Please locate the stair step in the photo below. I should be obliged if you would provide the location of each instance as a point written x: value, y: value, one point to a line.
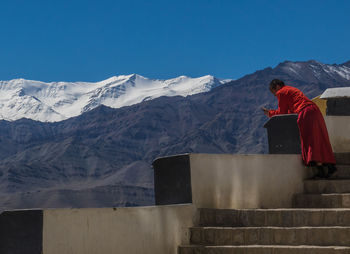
x: 263, y: 249
x: 327, y: 186
x: 322, y: 236
x: 342, y: 158
x: 321, y: 200
x: 343, y: 172
x: 274, y: 217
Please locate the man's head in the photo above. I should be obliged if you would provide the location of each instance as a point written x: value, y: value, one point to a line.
x: 276, y: 85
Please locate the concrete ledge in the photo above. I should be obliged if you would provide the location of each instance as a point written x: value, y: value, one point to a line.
x: 209, y: 180
x: 230, y: 181
x: 246, y: 181
x: 143, y: 230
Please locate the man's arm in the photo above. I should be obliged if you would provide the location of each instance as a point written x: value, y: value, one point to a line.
x: 266, y: 111
x: 282, y: 106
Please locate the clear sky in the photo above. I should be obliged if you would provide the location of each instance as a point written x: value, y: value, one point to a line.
x: 83, y: 40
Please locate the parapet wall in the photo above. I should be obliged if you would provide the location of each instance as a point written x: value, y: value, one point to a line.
x: 229, y: 180
x: 136, y: 230
x: 210, y: 180
x: 246, y: 181
x: 143, y: 230
x: 339, y: 133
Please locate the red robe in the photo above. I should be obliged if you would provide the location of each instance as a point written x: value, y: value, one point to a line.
x: 315, y: 145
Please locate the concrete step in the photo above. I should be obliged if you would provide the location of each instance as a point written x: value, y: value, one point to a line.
x: 321, y: 200
x: 263, y: 249
x: 321, y: 236
x: 327, y: 186
x: 343, y: 172
x: 274, y: 217
x: 342, y: 158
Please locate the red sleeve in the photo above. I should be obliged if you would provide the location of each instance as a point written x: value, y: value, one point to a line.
x: 283, y: 106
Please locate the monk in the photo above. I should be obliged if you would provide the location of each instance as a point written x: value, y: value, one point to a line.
x: 316, y: 149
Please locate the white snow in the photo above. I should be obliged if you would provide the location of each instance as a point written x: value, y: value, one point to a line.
x: 293, y: 68
x: 319, y: 70
x: 56, y: 101
x: 337, y: 92
x: 342, y: 71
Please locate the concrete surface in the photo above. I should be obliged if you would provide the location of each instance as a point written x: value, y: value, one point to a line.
x: 317, y: 236
x: 336, y: 92
x: 246, y: 181
x: 285, y: 217
x: 137, y: 230
x: 264, y: 249
x: 339, y: 133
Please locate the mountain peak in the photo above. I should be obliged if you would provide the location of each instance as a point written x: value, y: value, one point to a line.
x: 134, y: 76
x: 313, y: 62
x: 298, y: 63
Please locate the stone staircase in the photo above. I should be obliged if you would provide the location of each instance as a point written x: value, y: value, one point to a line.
x: 318, y: 223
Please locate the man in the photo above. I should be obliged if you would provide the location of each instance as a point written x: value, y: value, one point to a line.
x: 315, y: 146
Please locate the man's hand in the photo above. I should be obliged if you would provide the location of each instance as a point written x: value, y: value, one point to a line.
x: 266, y: 111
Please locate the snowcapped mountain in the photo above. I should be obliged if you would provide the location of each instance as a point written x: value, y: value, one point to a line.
x: 56, y: 101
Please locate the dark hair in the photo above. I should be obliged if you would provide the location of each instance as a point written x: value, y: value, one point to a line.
x: 276, y: 82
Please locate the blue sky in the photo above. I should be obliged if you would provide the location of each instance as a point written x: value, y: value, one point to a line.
x: 76, y: 40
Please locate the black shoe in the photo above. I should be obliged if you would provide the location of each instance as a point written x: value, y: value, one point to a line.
x: 320, y: 173
x: 312, y: 164
x: 331, y: 170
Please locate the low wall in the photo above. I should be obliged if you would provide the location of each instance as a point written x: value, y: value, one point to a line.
x: 339, y: 133
x: 230, y: 180
x: 245, y: 181
x: 210, y: 180
x: 136, y: 230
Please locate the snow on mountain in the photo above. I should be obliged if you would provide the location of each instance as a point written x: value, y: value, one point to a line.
x: 316, y: 71
x: 56, y: 101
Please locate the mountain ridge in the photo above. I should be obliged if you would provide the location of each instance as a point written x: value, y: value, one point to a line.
x: 57, y: 101
x: 109, y: 147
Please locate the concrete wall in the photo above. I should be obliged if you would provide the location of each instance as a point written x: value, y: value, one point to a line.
x: 217, y: 181
x: 246, y: 181
x: 339, y: 132
x: 137, y: 230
